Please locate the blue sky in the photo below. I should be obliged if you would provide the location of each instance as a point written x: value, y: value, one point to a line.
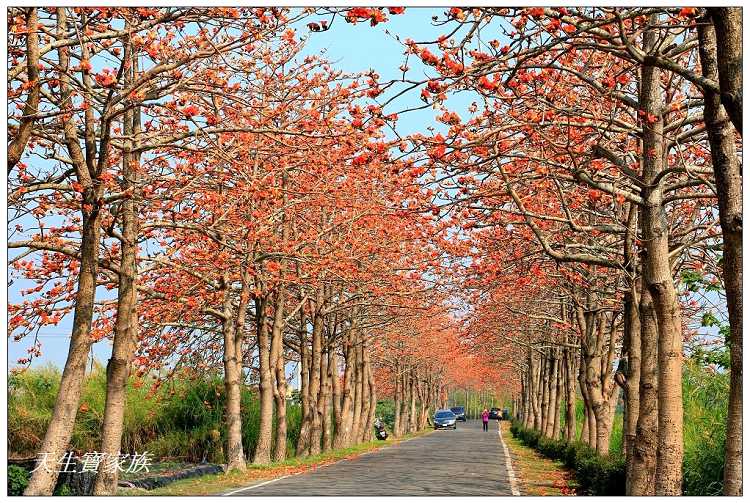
x: 352, y: 48
x: 359, y: 47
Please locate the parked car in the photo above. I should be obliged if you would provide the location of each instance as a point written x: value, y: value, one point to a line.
x: 460, y: 413
x: 496, y: 413
x: 444, y: 418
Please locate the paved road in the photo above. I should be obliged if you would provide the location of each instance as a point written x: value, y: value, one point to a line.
x: 465, y: 462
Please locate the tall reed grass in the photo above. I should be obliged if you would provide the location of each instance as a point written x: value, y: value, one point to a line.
x: 182, y: 421
x: 705, y: 396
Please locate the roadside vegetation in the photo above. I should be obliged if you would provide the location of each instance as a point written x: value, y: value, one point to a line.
x: 179, y: 422
x: 705, y: 393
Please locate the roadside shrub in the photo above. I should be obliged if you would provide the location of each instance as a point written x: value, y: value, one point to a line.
x: 596, y: 475
x: 600, y: 475
x: 528, y: 436
x: 514, y: 428
x: 553, y: 449
x: 574, y: 451
x: 18, y: 479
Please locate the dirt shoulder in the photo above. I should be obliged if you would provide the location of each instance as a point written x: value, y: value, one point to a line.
x: 537, y: 475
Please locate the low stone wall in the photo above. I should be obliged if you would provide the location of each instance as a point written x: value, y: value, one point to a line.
x: 154, y: 481
x: 79, y: 483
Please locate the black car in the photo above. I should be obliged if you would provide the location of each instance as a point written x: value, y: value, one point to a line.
x: 496, y: 413
x: 444, y: 418
x: 460, y: 413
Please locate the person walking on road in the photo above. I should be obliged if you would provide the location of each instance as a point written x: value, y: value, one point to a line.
x: 485, y: 419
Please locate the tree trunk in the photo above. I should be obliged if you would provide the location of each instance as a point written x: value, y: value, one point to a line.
x: 60, y: 428
x: 373, y: 401
x: 404, y: 403
x: 262, y: 453
x: 729, y: 190
x: 334, y: 366
x: 545, y: 382
x: 585, y: 427
x: 552, y: 415
x: 324, y: 401
x: 535, y: 390
x: 278, y: 373
x: 412, y: 404
x: 570, y: 396
x: 605, y: 414
x: 632, y: 346
x: 397, y: 402
x: 365, y: 400
x: 523, y: 402
x: 233, y: 373
x: 584, y: 380
x: 344, y: 430
x: 642, y: 477
x: 559, y: 380
x: 358, y: 392
x: 315, y: 374
x: 303, y: 441
x: 657, y: 277
x: 728, y: 23
x: 125, y: 339
x: 592, y: 427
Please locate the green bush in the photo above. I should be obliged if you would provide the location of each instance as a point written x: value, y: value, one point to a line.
x: 600, y: 475
x: 596, y: 475
x: 575, y: 451
x: 527, y: 436
x: 18, y: 479
x: 386, y: 410
x: 553, y: 449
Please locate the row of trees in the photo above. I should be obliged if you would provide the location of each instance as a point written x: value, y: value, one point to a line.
x: 250, y: 210
x: 599, y: 165
x: 247, y: 210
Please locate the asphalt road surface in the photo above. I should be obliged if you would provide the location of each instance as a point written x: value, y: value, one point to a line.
x: 461, y: 462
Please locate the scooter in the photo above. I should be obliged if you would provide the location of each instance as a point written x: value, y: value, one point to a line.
x: 380, y: 432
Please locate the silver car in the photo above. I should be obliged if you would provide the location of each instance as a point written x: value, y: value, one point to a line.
x: 444, y: 418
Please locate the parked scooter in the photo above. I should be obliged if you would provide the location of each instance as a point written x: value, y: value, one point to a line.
x: 380, y: 432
